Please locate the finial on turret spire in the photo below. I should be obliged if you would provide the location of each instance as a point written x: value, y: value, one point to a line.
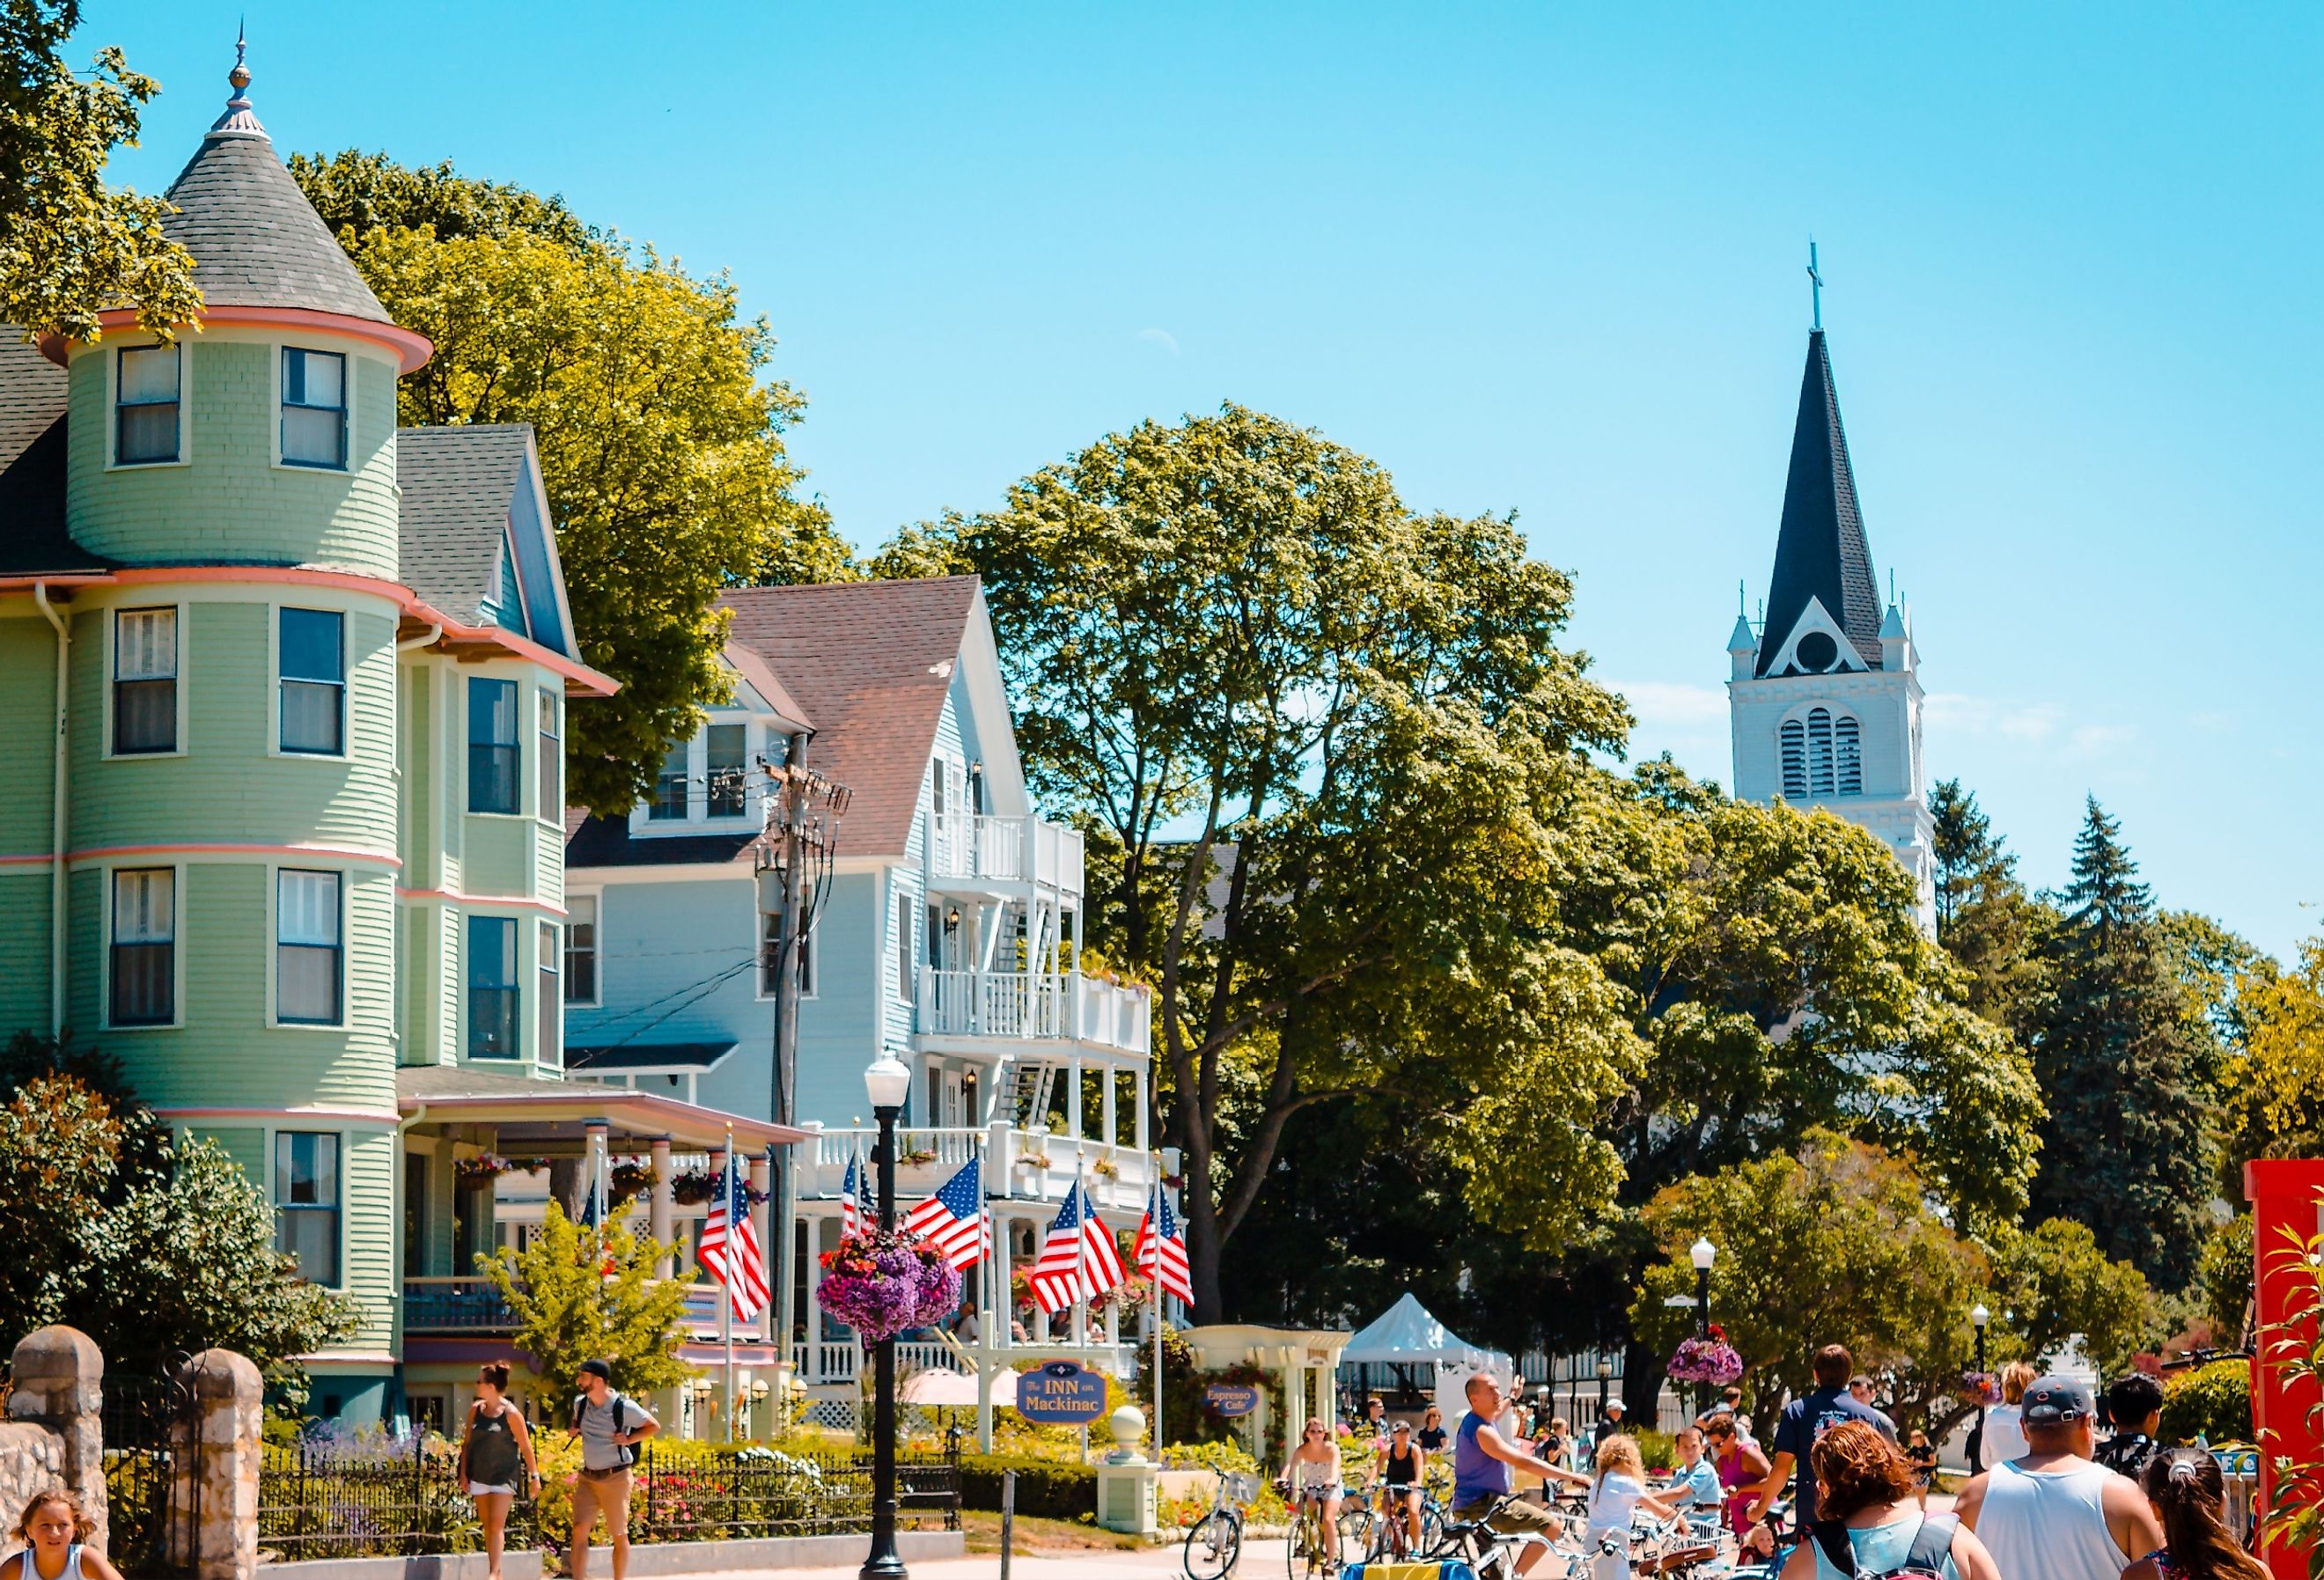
x: 1815, y: 283
x: 238, y: 118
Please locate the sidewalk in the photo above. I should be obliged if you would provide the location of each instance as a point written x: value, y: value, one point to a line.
x: 1259, y: 1558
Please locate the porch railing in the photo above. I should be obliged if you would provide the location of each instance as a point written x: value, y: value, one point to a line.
x: 1033, y: 1004
x: 474, y: 1305
x: 980, y: 848
x: 1021, y: 1165
x: 828, y: 1364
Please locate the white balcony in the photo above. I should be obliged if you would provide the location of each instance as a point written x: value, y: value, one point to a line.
x: 839, y: 1361
x: 1019, y: 1165
x: 976, y: 853
x: 1027, y: 1006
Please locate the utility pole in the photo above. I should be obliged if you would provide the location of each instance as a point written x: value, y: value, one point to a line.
x: 802, y: 832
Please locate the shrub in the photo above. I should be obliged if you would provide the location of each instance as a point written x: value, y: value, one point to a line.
x: 1658, y: 1449
x: 1049, y: 1488
x: 2213, y: 1401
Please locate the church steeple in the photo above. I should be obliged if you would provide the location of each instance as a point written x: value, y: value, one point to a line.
x: 1821, y: 551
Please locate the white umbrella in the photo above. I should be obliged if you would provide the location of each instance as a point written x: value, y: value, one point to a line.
x: 933, y: 1385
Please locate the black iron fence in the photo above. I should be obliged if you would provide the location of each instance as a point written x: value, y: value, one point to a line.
x: 152, y: 1497
x: 385, y: 1497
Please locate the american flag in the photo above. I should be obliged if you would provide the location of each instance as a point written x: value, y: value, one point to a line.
x: 1161, y: 1253
x: 851, y: 1218
x: 730, y: 1246
x: 954, y: 1220
x: 1078, y: 1259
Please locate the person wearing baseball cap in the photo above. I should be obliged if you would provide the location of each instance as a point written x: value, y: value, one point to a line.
x: 2053, y: 1513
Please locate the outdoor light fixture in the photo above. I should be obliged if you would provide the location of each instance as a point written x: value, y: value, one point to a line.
x: 1979, y: 1316
x: 1605, y: 1369
x: 887, y: 1082
x: 1703, y: 1254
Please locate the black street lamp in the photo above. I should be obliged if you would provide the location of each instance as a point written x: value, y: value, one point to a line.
x: 889, y: 1083
x: 1977, y: 1317
x: 1605, y: 1375
x: 1702, y: 1252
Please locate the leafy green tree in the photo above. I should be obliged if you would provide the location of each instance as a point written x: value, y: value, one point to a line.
x: 2274, y: 1087
x: 1986, y: 919
x: 2224, y: 1277
x: 1325, y: 739
x: 72, y: 246
x: 2119, y: 1071
x: 661, y: 441
x: 2053, y: 1281
x: 581, y: 1293
x: 150, y: 1245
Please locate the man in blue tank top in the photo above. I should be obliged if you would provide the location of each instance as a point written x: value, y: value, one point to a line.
x: 1482, y: 1460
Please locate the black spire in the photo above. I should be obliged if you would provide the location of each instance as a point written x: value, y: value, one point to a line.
x: 1821, y: 551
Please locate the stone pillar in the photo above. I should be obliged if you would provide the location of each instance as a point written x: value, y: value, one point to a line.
x: 658, y: 1216
x: 226, y: 1432
x: 60, y: 1384
x: 761, y: 1176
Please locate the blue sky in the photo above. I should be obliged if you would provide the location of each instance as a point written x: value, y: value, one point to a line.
x: 1540, y: 258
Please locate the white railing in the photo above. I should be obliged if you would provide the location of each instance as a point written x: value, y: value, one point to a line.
x: 964, y: 846
x: 841, y: 1362
x: 1019, y: 1165
x: 1033, y: 1003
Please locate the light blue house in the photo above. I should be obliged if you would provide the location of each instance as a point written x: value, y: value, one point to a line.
x: 949, y: 934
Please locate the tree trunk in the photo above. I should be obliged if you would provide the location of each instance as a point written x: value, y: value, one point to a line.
x: 1642, y: 1384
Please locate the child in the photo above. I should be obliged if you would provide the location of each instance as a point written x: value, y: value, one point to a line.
x: 1921, y: 1456
x: 2183, y: 1485
x: 55, y: 1532
x: 1618, y: 1490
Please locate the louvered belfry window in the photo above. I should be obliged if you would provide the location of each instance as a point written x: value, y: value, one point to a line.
x: 1821, y: 755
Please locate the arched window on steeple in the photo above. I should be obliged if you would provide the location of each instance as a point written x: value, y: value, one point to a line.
x: 1821, y: 755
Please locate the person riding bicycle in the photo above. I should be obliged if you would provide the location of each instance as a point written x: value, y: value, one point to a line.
x: 1482, y: 1460
x: 1314, y: 1471
x: 1618, y: 1491
x: 1402, y: 1466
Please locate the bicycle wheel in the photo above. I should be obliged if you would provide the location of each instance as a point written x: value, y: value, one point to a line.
x: 1432, y: 1528
x: 1357, y: 1524
x: 1213, y: 1543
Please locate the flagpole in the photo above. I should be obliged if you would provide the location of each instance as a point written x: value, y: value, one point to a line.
x: 726, y: 1279
x: 1154, y: 1239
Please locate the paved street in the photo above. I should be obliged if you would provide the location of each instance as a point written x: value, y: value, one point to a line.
x: 1260, y: 1559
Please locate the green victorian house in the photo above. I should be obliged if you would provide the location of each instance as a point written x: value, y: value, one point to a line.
x: 282, y: 695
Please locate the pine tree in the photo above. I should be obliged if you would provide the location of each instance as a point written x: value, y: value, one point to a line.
x: 2122, y: 1148
x: 1986, y: 919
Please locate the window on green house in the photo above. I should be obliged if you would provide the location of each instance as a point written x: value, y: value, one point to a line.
x: 549, y: 1044
x: 669, y: 786
x: 145, y: 681
x: 309, y: 958
x: 143, y: 968
x: 491, y: 745
x: 725, y: 744
x: 312, y: 651
x: 548, y: 765
x: 314, y: 408
x: 491, y: 987
x: 307, y: 1202
x: 145, y: 405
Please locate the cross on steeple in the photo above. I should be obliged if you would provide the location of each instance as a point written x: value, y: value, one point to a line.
x: 1815, y: 283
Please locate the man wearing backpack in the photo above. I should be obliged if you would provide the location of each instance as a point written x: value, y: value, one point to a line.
x: 2053, y: 1514
x: 1871, y: 1526
x: 610, y: 1426
x: 1803, y: 1420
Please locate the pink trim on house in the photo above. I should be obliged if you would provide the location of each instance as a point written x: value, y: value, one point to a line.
x: 412, y: 351
x: 42, y: 860
x: 357, y: 1115
x: 327, y: 852
x: 454, y: 897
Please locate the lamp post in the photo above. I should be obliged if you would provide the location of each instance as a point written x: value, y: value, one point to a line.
x: 1605, y: 1375
x: 1977, y: 1317
x: 1702, y: 1253
x: 888, y: 1083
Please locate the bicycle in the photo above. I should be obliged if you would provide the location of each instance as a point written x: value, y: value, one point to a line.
x: 1391, y: 1540
x: 1783, y: 1541
x: 1307, y: 1555
x: 1214, y: 1541
x: 1492, y: 1554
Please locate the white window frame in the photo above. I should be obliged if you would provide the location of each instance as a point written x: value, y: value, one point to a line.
x: 274, y: 1021
x: 112, y: 655
x: 112, y: 353
x: 699, y: 819
x: 597, y: 898
x: 807, y: 977
x: 347, y: 412
x: 339, y: 1208
x: 553, y: 694
x: 547, y: 989
x: 467, y: 695
x: 904, y: 916
x: 274, y: 747
x: 1839, y: 713
x: 724, y: 819
x: 177, y: 1021
x: 516, y: 1056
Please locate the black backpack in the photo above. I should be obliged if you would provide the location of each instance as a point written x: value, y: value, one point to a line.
x: 1932, y: 1545
x: 620, y: 1415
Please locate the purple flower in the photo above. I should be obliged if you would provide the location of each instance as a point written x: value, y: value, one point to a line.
x: 881, y: 1285
x: 1705, y: 1360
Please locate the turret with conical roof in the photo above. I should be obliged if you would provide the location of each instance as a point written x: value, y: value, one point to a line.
x: 266, y: 434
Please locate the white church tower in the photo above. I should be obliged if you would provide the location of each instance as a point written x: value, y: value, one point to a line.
x: 1825, y: 699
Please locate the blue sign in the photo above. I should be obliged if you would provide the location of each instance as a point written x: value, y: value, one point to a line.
x: 1222, y: 1399
x: 1060, y: 1393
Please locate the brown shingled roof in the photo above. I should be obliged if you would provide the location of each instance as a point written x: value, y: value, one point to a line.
x: 870, y: 661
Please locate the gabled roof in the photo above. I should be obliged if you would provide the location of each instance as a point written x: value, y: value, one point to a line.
x: 457, y: 484
x: 763, y: 680
x: 256, y: 239
x: 1821, y: 551
x: 871, y: 661
x: 32, y: 536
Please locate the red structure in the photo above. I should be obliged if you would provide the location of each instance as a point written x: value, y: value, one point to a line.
x: 2285, y: 1196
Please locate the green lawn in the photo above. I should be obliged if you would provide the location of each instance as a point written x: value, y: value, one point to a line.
x: 1031, y: 1535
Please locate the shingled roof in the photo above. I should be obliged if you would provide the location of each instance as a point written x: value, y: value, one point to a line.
x: 32, y: 536
x: 1821, y: 551
x: 457, y: 484
x: 256, y: 239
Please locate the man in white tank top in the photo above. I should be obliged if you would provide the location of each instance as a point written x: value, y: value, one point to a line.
x: 2054, y: 1514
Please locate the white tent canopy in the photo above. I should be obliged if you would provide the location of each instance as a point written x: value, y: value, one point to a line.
x: 1407, y: 1335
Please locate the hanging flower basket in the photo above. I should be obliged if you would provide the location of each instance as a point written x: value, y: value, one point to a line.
x: 481, y: 1167
x: 693, y: 1187
x: 1106, y: 1169
x: 1709, y: 1359
x: 883, y: 1284
x: 918, y: 1158
x: 1979, y: 1388
x: 630, y: 1177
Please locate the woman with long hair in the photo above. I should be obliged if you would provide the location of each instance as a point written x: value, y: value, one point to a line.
x: 493, y: 1448
x: 2189, y: 1499
x: 1617, y: 1489
x: 1867, y: 1511
x: 1313, y: 1471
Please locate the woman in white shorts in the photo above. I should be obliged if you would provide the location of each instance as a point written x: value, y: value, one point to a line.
x: 493, y: 1450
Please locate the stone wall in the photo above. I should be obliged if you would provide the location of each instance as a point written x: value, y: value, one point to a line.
x: 57, y: 1401
x: 32, y: 1459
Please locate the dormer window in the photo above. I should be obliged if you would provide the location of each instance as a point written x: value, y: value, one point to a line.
x: 314, y: 409
x: 725, y: 757
x: 1821, y: 755
x: 145, y: 411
